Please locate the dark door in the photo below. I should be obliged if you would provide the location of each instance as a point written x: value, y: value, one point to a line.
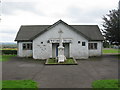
x: 57, y: 50
x: 66, y: 49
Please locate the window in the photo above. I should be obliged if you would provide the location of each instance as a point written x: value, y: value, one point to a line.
x: 83, y: 43
x: 92, y: 45
x: 48, y: 41
x: 78, y: 42
x: 27, y: 46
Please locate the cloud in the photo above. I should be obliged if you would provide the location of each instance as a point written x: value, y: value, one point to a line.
x: 9, y: 8
x: 7, y: 31
x: 40, y: 12
x: 4, y: 37
x: 86, y: 16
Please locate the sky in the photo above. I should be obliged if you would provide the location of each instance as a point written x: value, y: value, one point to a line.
x: 14, y: 13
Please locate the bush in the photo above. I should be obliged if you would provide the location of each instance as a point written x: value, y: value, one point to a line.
x: 12, y: 52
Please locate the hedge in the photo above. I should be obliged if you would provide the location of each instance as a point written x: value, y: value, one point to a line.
x: 12, y: 52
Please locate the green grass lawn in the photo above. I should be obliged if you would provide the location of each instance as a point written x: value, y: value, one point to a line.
x: 6, y: 57
x: 54, y: 61
x: 111, y: 51
x: 19, y: 84
x: 106, y: 84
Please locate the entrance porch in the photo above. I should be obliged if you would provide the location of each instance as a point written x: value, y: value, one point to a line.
x: 55, y: 49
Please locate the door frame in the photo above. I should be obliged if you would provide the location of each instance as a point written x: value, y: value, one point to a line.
x: 55, y: 49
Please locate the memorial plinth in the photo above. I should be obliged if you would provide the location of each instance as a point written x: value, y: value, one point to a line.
x: 61, y: 56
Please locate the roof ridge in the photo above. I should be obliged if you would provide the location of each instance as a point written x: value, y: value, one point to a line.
x: 84, y: 25
x: 35, y: 25
x: 50, y: 25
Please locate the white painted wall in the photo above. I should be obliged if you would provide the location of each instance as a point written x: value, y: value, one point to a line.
x: 24, y: 53
x: 43, y: 51
x: 98, y: 51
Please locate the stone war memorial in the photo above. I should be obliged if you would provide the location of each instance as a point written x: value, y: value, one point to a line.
x: 61, y: 56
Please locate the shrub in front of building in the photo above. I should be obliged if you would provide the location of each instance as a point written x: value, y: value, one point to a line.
x: 7, y: 52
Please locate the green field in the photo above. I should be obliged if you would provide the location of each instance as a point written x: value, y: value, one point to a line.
x: 8, y: 48
x: 106, y: 84
x: 6, y: 57
x: 19, y: 84
x: 105, y: 51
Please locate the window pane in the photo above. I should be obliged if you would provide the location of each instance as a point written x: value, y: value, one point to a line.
x: 95, y: 45
x: 24, y: 46
x: 31, y: 46
x: 92, y: 46
x: 83, y: 43
x: 28, y: 46
x: 89, y: 45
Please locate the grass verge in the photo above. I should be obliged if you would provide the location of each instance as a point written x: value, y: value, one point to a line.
x: 19, y: 84
x: 6, y: 57
x: 106, y: 84
x: 105, y: 51
x: 54, y: 61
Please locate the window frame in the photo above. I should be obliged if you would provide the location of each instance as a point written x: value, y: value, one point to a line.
x: 92, y: 46
x: 27, y: 46
x: 83, y: 43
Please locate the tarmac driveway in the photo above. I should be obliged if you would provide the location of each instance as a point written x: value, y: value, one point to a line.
x: 61, y: 76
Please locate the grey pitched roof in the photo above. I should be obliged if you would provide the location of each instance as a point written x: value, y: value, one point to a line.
x: 91, y: 31
x: 30, y: 32
x: 27, y: 32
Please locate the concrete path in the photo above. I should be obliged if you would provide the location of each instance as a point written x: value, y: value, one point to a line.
x: 62, y: 76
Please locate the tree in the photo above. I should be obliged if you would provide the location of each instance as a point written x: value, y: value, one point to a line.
x: 111, y: 25
x: 106, y: 44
